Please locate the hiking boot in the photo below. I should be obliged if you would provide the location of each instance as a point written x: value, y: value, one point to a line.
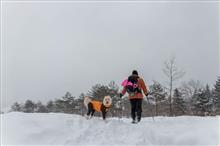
x: 133, y: 121
x: 139, y: 119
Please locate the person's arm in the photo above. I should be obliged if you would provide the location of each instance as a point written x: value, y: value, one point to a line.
x: 143, y: 86
x: 123, y: 92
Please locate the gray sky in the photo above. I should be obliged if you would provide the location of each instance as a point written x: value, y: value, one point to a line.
x: 51, y: 48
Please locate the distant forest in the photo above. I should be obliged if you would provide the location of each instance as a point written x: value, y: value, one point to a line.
x: 190, y: 98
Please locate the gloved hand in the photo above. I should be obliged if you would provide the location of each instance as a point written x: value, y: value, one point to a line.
x: 147, y: 94
x: 121, y: 95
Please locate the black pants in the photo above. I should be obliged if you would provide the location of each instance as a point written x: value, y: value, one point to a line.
x: 136, y: 108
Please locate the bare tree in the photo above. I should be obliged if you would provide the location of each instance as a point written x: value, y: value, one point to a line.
x: 191, y: 87
x: 173, y: 74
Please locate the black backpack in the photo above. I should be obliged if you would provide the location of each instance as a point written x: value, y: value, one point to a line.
x: 133, y: 89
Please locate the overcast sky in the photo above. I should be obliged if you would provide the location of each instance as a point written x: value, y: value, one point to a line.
x: 50, y: 48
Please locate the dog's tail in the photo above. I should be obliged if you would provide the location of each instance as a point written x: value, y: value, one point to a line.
x: 87, y: 100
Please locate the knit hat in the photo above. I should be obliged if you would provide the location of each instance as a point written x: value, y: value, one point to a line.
x: 134, y: 72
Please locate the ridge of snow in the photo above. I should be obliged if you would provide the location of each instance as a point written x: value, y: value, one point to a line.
x: 65, y: 129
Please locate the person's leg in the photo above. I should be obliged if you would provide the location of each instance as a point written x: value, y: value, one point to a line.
x: 139, y: 109
x: 133, y: 108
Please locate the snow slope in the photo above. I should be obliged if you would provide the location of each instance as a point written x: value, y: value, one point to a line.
x: 64, y: 129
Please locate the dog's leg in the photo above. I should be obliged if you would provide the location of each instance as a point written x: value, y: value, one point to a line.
x: 92, y: 113
x: 103, y: 115
x: 103, y: 110
x: 90, y: 109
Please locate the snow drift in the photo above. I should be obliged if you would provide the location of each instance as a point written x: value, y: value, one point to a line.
x: 65, y: 129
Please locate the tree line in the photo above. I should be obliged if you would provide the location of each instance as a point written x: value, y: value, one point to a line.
x: 191, y: 98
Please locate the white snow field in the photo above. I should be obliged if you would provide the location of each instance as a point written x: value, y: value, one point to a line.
x: 66, y: 129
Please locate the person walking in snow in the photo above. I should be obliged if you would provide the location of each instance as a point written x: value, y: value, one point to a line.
x: 135, y: 87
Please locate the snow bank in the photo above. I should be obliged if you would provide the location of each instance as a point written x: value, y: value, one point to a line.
x: 64, y: 129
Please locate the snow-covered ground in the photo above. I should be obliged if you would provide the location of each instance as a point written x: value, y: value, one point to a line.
x: 65, y: 129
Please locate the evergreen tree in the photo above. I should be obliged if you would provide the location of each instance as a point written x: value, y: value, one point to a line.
x: 29, y: 106
x: 40, y: 108
x: 64, y: 105
x: 158, y: 94
x: 16, y: 107
x: 50, y: 106
x: 98, y: 92
x: 113, y: 87
x: 179, y: 106
x: 59, y: 106
x: 209, y: 104
x: 68, y: 97
x: 216, y: 95
x: 194, y: 102
x: 189, y: 91
x: 201, y: 103
x: 68, y: 103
